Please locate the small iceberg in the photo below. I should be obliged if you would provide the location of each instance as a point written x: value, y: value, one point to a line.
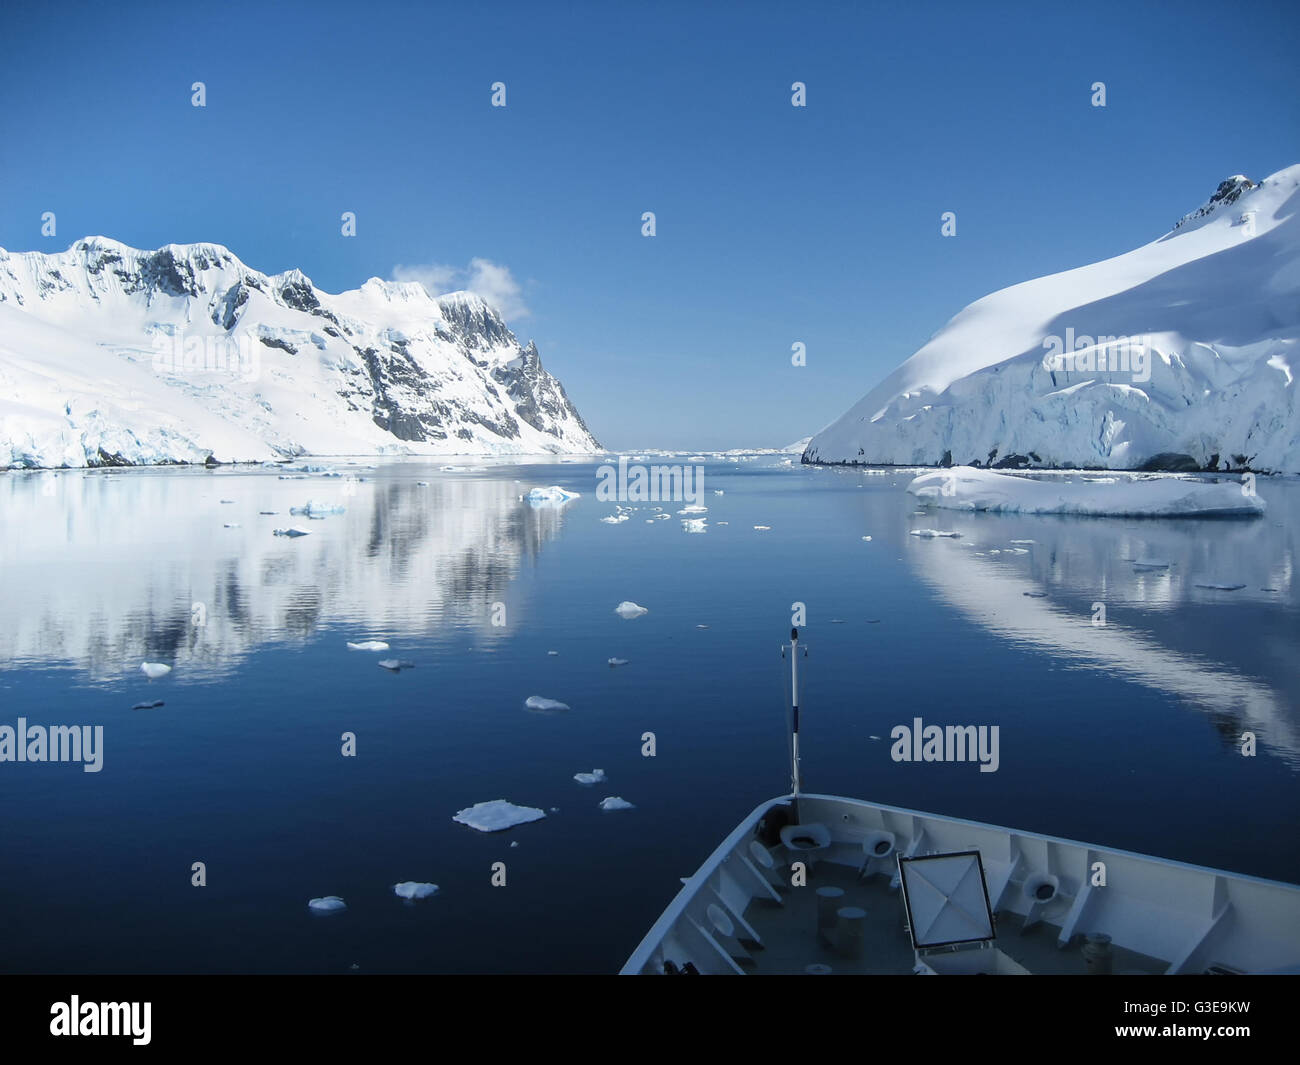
x: 552, y: 654
x: 544, y: 705
x: 629, y: 610
x: 594, y: 777
x: 694, y: 508
x: 293, y: 530
x: 328, y: 904
x: 553, y: 494
x: 497, y: 815
x: 149, y: 706
x: 314, y: 508
x: 930, y: 534
x: 866, y: 539
x: 968, y: 488
x: 763, y: 528
x: 367, y: 645
x: 410, y: 889
x: 695, y: 525
x: 154, y: 670
x: 395, y: 665
x: 618, y: 661
x: 613, y: 802
x: 614, y: 519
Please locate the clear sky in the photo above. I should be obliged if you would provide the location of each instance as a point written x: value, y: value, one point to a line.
x: 775, y: 224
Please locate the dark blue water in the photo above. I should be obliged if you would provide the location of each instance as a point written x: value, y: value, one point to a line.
x: 1125, y: 736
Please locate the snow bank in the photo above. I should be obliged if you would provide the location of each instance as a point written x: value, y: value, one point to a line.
x: 967, y: 488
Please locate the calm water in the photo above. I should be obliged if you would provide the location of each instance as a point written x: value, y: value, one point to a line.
x: 1123, y: 735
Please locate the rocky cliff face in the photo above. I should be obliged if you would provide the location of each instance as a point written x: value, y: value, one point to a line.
x: 112, y: 354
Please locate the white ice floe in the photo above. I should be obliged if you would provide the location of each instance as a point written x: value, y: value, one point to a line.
x: 328, y: 904
x: 154, y: 670
x: 1022, y: 541
x: 763, y: 528
x: 367, y: 645
x: 553, y: 494
x: 662, y: 517
x: 315, y: 508
x: 867, y: 539
x: 293, y: 530
x: 693, y: 508
x: 594, y: 777
x: 410, y: 889
x: 695, y: 525
x: 717, y: 491
x: 618, y: 661
x: 614, y: 519
x: 395, y: 665
x: 552, y: 653
x: 497, y: 815
x: 613, y: 802
x: 545, y: 705
x: 967, y: 488
x: 628, y: 610
x: 930, y: 534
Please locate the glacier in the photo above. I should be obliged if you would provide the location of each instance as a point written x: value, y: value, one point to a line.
x: 113, y: 356
x: 1179, y: 355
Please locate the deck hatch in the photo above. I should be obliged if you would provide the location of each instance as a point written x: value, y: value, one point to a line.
x: 946, y: 899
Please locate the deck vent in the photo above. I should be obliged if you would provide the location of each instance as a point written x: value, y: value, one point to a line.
x: 946, y: 899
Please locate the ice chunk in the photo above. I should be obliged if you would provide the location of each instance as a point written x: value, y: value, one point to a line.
x: 594, y: 777
x: 148, y: 706
x: 763, y: 528
x: 552, y: 653
x: 314, y: 508
x: 1035, y: 595
x: 553, y: 494
x: 368, y: 645
x: 614, y: 519
x: 497, y: 815
x: 410, y: 889
x: 292, y: 531
x: 1149, y: 563
x: 154, y: 670
x: 629, y: 610
x: 967, y: 488
x: 1023, y: 541
x: 613, y: 802
x: 545, y: 705
x: 930, y: 534
x: 867, y: 539
x: 618, y: 661
x: 695, y: 525
x: 395, y: 665
x: 328, y: 904
x: 694, y: 508
x: 1222, y: 587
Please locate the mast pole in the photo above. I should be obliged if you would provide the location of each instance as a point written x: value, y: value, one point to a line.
x: 794, y: 732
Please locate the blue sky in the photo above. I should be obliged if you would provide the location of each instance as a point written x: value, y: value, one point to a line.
x: 775, y: 224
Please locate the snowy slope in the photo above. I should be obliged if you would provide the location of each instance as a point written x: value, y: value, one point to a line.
x: 1201, y: 374
x: 113, y: 355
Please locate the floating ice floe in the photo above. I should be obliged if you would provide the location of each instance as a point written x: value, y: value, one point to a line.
x: 553, y: 494
x: 594, y: 777
x: 618, y: 661
x: 293, y: 530
x: 1023, y: 541
x: 552, y: 653
x: 395, y: 665
x: 545, y: 705
x: 614, y: 519
x: 1035, y: 595
x: 867, y: 539
x: 314, y: 508
x: 695, y: 525
x: 629, y: 610
x: 763, y: 528
x: 154, y: 670
x: 930, y: 534
x: 613, y: 802
x: 1222, y: 587
x: 367, y: 645
x: 1149, y: 563
x: 497, y: 815
x: 717, y: 491
x: 662, y: 517
x: 149, y: 706
x: 328, y: 904
x: 967, y: 488
x: 694, y: 508
x: 701, y: 626
x: 410, y: 889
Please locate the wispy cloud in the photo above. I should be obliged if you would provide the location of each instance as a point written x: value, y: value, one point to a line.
x: 492, y: 281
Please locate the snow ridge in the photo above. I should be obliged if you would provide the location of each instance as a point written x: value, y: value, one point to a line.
x: 110, y: 355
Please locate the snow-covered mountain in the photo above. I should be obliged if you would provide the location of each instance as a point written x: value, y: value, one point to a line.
x: 1181, y: 354
x: 110, y: 355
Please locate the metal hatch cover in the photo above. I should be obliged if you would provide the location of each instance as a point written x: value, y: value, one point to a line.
x: 946, y: 899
